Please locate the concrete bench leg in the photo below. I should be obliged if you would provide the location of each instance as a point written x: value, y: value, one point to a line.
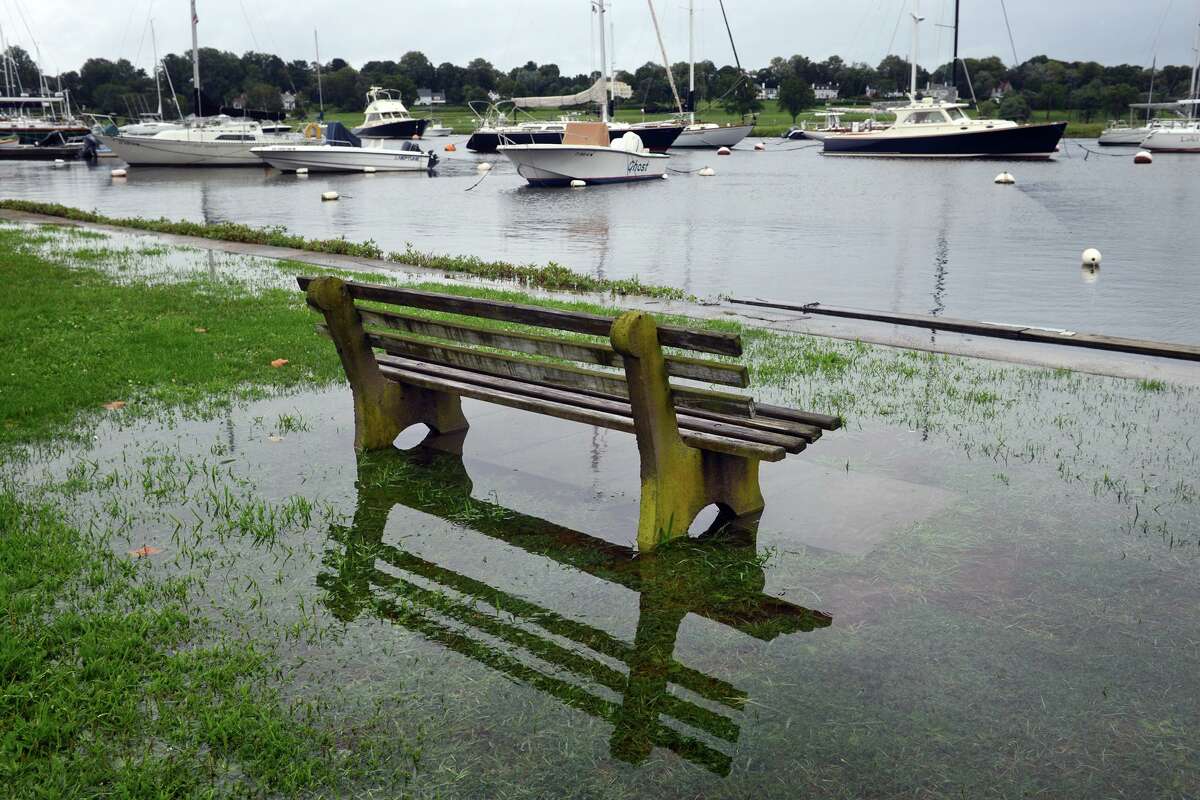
x: 382, y: 408
x: 677, y: 481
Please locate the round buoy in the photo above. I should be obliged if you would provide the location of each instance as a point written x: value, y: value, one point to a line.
x: 302, y: 171
x: 450, y: 148
x: 723, y: 151
x: 58, y: 162
x: 1143, y: 157
x: 118, y: 173
x: 1005, y: 179
x: 707, y: 172
x: 578, y: 184
x: 483, y: 166
x: 1091, y: 258
x: 330, y: 195
x: 369, y: 170
x: 760, y: 146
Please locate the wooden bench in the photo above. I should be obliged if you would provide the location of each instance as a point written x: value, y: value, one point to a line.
x: 698, y: 446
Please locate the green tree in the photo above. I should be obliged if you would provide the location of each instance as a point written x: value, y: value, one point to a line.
x: 795, y: 95
x: 263, y: 97
x: 1015, y: 107
x: 743, y: 99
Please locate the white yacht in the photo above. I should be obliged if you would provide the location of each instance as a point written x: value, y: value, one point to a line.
x: 208, y: 142
x: 387, y: 118
x: 341, y: 151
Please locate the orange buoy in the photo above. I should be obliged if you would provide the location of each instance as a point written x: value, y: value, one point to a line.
x: 450, y: 148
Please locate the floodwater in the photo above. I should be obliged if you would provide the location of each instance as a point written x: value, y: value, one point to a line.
x: 1013, y: 614
x: 786, y: 224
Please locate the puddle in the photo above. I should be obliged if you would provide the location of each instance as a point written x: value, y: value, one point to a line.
x: 899, y: 621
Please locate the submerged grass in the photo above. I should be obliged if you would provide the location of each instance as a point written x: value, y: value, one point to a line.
x: 552, y: 276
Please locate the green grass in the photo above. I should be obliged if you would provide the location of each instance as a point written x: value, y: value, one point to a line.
x: 111, y: 690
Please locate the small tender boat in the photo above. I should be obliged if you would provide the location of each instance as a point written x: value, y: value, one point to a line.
x: 342, y: 151
x: 587, y: 155
x: 387, y: 118
x: 436, y: 128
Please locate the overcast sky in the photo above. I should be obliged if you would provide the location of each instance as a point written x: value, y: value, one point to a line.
x: 559, y: 31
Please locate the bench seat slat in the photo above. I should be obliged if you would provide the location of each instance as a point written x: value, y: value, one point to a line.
x: 790, y: 443
x: 728, y: 344
x: 700, y: 441
x: 825, y: 421
x: 585, y: 352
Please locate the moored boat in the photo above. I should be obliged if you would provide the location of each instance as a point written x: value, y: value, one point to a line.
x: 587, y: 155
x: 387, y: 118
x: 341, y: 151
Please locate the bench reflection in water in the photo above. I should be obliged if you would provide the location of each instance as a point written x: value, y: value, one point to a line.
x: 718, y: 576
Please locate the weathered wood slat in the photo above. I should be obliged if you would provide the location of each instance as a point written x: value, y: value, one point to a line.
x: 792, y: 444
x: 574, y: 321
x: 824, y: 421
x: 586, y: 352
x: 700, y: 441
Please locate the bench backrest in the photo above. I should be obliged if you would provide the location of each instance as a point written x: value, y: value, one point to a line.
x: 536, y: 357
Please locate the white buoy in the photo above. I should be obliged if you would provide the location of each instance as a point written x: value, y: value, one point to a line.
x: 302, y: 171
x: 59, y: 163
x: 707, y: 172
x: 578, y: 184
x: 1143, y: 157
x: 1005, y: 179
x: 1091, y: 258
x: 760, y: 146
x: 484, y: 166
x: 330, y: 195
x: 369, y: 170
x: 723, y: 151
x: 118, y: 173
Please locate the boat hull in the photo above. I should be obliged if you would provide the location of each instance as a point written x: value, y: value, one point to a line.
x: 1173, y: 141
x: 29, y: 152
x: 400, y: 129
x: 1017, y: 141
x: 724, y: 136
x: 326, y: 158
x: 558, y: 165
x: 1123, y: 137
x: 148, y: 151
x: 490, y: 141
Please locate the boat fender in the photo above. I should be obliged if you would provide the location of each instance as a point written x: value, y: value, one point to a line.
x: 578, y: 184
x: 1143, y: 157
x: 706, y: 172
x: 1005, y: 179
x: 1091, y: 258
x: 369, y: 170
x: 723, y: 151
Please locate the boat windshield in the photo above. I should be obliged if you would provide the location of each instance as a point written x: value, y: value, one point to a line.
x: 926, y: 117
x: 956, y: 114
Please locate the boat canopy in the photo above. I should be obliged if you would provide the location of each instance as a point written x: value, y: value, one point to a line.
x: 593, y: 134
x: 336, y: 133
x: 595, y: 94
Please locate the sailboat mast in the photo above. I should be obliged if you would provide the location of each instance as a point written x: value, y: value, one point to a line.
x: 666, y: 61
x: 195, y: 64
x: 954, y: 63
x: 320, y: 89
x: 916, y: 15
x: 603, y: 62
x: 157, y: 83
x: 4, y: 62
x: 691, y: 62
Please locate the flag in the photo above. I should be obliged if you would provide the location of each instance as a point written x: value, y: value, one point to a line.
x: 195, y: 19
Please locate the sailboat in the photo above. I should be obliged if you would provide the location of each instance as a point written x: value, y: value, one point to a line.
x: 217, y: 141
x: 1185, y: 136
x: 926, y: 128
x: 705, y: 134
x: 586, y: 152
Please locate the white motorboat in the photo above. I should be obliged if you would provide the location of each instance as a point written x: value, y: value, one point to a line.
x: 212, y: 142
x: 587, y: 155
x: 1126, y: 134
x: 340, y: 151
x: 436, y: 128
x: 387, y: 118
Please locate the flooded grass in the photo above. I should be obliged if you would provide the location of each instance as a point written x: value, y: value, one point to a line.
x: 250, y: 610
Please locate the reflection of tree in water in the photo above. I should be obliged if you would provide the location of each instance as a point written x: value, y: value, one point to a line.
x: 719, y: 576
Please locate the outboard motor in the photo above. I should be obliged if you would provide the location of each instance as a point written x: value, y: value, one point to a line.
x: 433, y: 160
x: 91, y: 147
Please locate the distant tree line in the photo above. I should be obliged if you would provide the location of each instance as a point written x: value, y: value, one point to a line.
x: 259, y: 79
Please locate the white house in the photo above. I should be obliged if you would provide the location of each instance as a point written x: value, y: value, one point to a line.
x: 768, y: 92
x: 288, y: 99
x: 428, y: 97
x: 827, y: 91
